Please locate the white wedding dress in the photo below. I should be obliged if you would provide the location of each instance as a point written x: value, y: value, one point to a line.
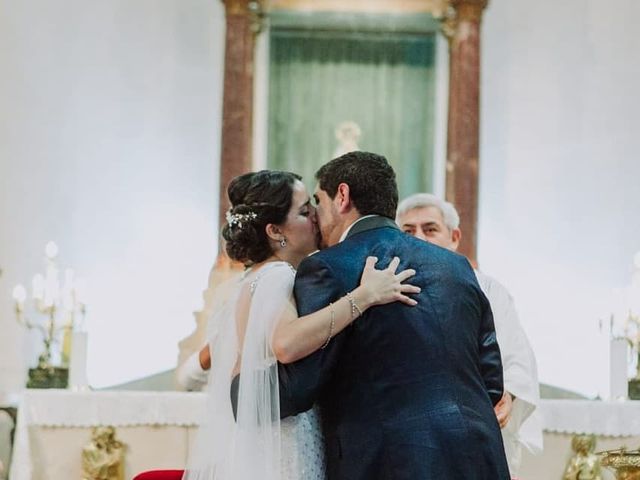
x: 256, y: 444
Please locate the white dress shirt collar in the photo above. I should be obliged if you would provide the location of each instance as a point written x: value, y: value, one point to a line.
x: 346, y: 232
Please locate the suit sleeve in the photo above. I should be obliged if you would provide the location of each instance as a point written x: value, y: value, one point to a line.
x: 490, y: 360
x: 301, y: 382
x: 518, y: 360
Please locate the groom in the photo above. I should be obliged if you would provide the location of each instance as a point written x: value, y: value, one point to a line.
x: 406, y: 393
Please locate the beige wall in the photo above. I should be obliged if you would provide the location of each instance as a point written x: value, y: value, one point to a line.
x: 559, y: 196
x: 109, y: 140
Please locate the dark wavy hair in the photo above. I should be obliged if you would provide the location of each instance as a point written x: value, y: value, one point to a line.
x: 371, y: 180
x: 258, y: 198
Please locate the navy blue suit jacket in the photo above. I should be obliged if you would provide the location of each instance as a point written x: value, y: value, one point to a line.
x: 404, y: 392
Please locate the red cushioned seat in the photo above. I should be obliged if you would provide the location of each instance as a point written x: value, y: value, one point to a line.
x: 160, y: 475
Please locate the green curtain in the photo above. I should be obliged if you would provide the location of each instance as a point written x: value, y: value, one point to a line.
x: 383, y: 82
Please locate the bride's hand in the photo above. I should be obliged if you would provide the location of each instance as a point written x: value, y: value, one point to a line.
x: 385, y: 286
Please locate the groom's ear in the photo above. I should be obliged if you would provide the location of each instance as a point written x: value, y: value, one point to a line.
x: 342, y: 200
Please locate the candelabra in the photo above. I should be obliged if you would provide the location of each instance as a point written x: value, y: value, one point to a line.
x: 624, y: 337
x: 59, y: 309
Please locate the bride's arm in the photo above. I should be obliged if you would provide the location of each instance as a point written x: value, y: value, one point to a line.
x: 192, y: 373
x: 295, y: 338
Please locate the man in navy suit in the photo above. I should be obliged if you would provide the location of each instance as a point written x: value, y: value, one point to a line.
x: 405, y: 393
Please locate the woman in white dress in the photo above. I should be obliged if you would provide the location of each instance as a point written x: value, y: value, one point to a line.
x: 271, y: 227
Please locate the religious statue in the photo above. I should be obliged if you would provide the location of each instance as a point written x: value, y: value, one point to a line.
x: 347, y: 134
x: 103, y: 457
x: 585, y: 464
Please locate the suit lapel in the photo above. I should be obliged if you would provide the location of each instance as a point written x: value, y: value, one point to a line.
x: 370, y: 223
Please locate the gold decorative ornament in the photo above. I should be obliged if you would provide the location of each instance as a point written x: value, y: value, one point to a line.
x: 251, y: 9
x: 448, y: 22
x: 360, y: 6
x: 453, y: 12
x: 585, y: 464
x: 103, y: 457
x: 236, y: 7
x: 626, y: 464
x: 257, y: 16
x: 469, y: 10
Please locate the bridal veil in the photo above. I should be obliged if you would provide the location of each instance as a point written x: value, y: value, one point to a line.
x: 246, y: 448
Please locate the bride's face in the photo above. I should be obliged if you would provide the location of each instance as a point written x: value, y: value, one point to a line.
x: 301, y: 226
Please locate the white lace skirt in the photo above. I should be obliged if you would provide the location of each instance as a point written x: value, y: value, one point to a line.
x: 303, y: 456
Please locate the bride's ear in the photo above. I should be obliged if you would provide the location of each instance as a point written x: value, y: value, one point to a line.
x: 274, y: 232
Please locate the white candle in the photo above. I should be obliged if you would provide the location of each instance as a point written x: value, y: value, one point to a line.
x: 38, y: 286
x: 52, y: 286
x: 68, y: 291
x: 51, y: 250
x: 618, y: 368
x: 78, y: 362
x: 19, y: 294
x: 79, y: 291
x: 69, y: 276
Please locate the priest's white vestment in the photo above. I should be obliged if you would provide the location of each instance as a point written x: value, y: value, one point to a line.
x: 520, y: 374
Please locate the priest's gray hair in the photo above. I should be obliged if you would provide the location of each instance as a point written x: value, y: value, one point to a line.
x: 422, y: 200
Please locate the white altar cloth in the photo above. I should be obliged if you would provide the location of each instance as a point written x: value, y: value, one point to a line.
x: 611, y: 419
x: 170, y: 418
x: 64, y: 408
x: 57, y: 408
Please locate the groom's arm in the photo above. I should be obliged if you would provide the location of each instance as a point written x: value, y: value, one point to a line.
x: 301, y: 382
x: 490, y: 358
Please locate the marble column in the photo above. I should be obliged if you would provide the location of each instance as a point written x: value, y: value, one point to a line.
x: 464, y: 118
x: 237, y: 108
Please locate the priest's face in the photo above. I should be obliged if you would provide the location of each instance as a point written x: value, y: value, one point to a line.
x: 427, y: 223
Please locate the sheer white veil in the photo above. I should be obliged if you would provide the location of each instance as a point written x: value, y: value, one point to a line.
x: 249, y: 448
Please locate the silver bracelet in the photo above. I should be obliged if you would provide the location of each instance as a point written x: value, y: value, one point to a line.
x: 331, y: 327
x: 354, y: 306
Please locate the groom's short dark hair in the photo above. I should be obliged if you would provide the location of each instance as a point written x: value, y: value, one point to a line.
x: 371, y: 180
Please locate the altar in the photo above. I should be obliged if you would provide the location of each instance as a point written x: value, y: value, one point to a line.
x: 53, y: 426
x: 157, y: 428
x: 615, y: 424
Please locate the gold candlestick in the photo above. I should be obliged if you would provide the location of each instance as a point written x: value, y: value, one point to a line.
x: 58, y: 306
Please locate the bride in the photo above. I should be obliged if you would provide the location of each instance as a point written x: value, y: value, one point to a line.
x: 271, y: 227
